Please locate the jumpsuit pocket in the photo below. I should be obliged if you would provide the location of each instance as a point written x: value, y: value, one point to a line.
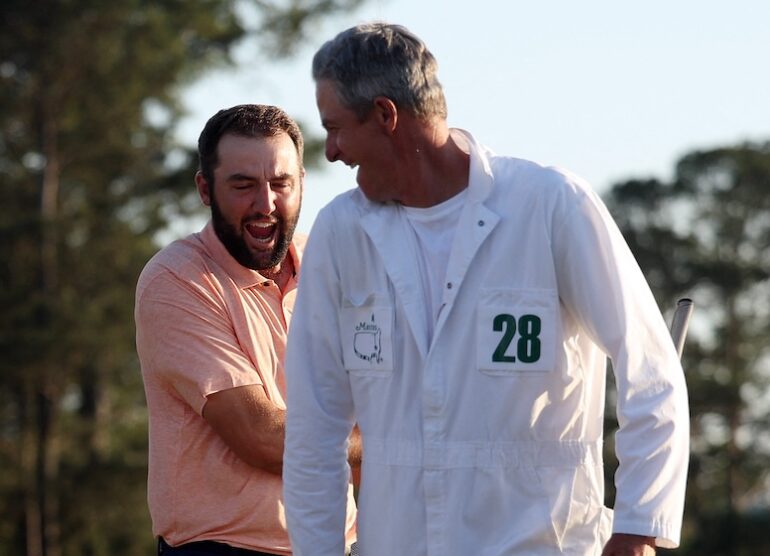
x: 366, y: 333
x: 578, y: 518
x: 517, y: 331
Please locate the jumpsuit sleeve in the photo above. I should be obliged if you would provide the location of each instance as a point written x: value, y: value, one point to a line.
x: 319, y: 406
x: 601, y: 283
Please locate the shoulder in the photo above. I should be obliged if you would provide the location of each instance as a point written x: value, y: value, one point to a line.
x: 350, y: 203
x: 519, y: 180
x: 339, y: 235
x: 299, y: 240
x: 297, y: 250
x: 182, y: 260
x: 547, y: 180
x: 342, y: 213
x: 519, y: 177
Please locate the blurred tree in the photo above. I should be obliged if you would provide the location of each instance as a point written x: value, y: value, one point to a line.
x: 706, y: 235
x: 90, y: 173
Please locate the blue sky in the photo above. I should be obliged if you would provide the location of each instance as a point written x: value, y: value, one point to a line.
x: 607, y: 89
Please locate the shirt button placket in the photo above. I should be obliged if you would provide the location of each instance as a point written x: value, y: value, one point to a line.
x: 434, y: 472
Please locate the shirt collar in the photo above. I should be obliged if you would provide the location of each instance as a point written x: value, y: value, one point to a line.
x: 481, y: 178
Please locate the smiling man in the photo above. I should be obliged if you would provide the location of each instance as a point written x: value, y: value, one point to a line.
x: 212, y: 314
x: 459, y: 307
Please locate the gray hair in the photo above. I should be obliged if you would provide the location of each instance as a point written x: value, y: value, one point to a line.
x: 381, y: 59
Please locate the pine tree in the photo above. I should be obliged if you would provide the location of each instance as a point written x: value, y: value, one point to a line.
x: 89, y: 97
x: 706, y: 234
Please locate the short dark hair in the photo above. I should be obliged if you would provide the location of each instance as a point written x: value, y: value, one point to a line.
x: 248, y: 120
x: 381, y: 59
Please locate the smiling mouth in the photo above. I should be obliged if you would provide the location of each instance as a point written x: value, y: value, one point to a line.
x: 262, y: 232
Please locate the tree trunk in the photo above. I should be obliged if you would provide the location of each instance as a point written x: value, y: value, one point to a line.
x: 47, y: 388
x: 49, y: 204
x: 48, y: 402
x: 33, y: 514
x: 733, y: 419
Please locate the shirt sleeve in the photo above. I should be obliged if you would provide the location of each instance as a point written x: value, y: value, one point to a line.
x: 603, y: 286
x: 319, y: 406
x: 185, y: 338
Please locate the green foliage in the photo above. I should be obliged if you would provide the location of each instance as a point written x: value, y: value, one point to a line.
x: 89, y: 173
x: 286, y: 22
x: 706, y: 235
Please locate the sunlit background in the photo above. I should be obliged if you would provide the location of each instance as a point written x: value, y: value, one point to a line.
x: 606, y: 89
x: 663, y: 106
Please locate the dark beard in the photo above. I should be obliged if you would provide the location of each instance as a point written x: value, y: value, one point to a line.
x: 236, y: 245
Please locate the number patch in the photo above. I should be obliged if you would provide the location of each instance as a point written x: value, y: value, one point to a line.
x: 528, y: 344
x: 517, y: 331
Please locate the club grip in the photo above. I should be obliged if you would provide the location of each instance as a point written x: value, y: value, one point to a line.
x: 680, y: 322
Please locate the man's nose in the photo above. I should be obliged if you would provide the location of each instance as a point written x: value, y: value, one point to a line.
x: 331, y: 148
x: 264, y: 199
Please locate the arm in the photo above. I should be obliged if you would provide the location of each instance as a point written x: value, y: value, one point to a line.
x: 320, y: 408
x: 622, y: 544
x: 186, y: 340
x: 603, y: 287
x: 250, y: 424
x: 254, y: 428
x: 355, y: 455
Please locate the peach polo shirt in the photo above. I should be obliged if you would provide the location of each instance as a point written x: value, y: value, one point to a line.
x: 205, y: 324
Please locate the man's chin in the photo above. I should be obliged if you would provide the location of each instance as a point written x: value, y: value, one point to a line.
x: 266, y: 261
x: 263, y: 262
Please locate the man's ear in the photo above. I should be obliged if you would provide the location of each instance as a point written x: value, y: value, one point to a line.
x: 204, y: 191
x: 386, y: 113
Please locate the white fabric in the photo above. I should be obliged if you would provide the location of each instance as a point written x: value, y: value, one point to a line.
x: 466, y: 452
x: 434, y: 229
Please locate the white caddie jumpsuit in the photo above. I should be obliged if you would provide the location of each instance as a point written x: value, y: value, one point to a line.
x: 487, y: 441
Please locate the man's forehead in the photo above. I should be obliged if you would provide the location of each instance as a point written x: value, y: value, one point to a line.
x: 332, y: 109
x: 276, y: 152
x: 279, y: 143
x: 327, y: 96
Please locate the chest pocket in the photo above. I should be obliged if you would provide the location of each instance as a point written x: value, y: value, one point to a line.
x: 366, y: 332
x: 516, y: 331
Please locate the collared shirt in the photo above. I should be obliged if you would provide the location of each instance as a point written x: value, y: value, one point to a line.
x: 205, y: 324
x: 487, y: 437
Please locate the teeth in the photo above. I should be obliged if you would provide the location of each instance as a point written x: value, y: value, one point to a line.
x: 261, y: 231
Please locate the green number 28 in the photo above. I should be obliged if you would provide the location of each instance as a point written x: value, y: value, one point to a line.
x: 528, y: 345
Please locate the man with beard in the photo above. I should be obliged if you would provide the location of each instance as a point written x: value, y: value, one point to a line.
x: 212, y: 313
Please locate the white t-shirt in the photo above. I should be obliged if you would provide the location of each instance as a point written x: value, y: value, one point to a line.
x: 434, y: 230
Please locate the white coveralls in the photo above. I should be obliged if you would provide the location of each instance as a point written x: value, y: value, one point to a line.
x: 487, y: 441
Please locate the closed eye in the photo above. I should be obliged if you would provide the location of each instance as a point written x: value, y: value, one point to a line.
x: 280, y: 186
